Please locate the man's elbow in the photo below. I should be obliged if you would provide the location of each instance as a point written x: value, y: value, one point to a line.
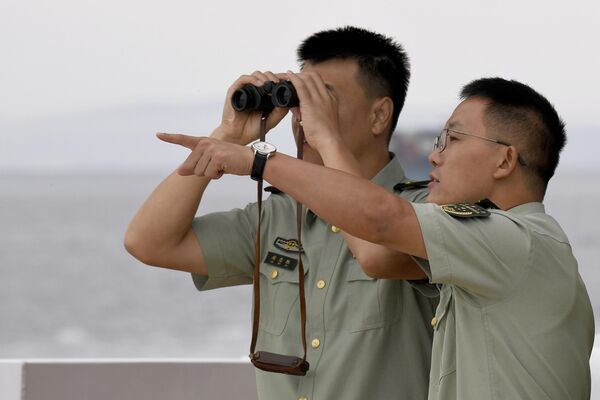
x: 138, y: 248
x: 383, y: 220
x: 370, y: 268
x: 373, y: 272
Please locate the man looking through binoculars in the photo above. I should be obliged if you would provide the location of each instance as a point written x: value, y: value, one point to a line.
x: 368, y: 338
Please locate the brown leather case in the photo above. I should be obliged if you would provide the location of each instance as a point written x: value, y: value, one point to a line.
x: 280, y: 363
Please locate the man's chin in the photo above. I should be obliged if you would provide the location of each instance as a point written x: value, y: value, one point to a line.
x: 436, y: 198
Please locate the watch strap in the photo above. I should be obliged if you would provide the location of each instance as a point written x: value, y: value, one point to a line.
x: 258, y: 166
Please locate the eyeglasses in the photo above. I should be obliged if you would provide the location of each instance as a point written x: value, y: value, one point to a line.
x: 440, y: 142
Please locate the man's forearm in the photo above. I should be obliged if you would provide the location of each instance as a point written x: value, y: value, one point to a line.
x: 361, y: 208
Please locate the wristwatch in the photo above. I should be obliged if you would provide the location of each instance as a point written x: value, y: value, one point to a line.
x: 262, y: 151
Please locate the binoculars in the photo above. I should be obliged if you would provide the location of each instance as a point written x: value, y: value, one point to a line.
x: 264, y: 98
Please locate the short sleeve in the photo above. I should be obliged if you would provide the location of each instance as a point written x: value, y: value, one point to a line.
x: 227, y: 240
x: 423, y: 286
x: 486, y: 255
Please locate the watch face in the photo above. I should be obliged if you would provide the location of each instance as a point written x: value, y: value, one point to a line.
x: 264, y: 147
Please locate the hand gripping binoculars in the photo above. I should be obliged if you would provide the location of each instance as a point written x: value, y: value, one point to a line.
x: 264, y: 98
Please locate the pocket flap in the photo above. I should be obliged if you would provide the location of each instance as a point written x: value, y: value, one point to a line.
x: 356, y: 273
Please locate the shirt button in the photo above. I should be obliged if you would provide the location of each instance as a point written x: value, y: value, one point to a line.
x: 274, y: 274
x: 302, y: 398
x: 321, y: 284
x: 335, y: 229
x: 434, y: 321
x: 315, y: 343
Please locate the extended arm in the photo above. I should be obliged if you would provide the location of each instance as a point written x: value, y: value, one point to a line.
x: 381, y: 217
x: 161, y: 232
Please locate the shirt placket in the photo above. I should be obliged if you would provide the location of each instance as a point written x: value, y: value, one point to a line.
x: 319, y: 282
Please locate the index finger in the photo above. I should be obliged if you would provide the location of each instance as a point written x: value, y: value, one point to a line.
x: 301, y: 89
x: 180, y: 139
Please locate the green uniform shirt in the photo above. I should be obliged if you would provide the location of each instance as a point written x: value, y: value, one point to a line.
x: 367, y: 338
x: 514, y: 319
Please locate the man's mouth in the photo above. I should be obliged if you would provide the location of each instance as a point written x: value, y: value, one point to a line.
x: 434, y: 181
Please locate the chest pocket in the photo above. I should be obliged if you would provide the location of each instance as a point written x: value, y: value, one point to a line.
x: 364, y: 310
x: 279, y: 297
x: 443, y: 357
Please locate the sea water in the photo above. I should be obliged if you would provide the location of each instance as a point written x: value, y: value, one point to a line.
x: 68, y: 288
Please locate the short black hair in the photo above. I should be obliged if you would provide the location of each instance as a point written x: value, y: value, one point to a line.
x: 383, y: 65
x: 526, y: 118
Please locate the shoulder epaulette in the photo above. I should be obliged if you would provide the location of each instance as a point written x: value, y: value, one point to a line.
x: 411, y: 185
x: 465, y: 210
x: 273, y: 190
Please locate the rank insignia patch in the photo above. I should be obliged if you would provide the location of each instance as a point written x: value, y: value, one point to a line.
x: 287, y: 245
x: 280, y: 260
x: 465, y: 210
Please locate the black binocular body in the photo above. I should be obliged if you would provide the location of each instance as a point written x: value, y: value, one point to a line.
x: 265, y: 97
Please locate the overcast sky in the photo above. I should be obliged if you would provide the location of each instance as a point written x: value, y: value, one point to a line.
x: 110, y: 73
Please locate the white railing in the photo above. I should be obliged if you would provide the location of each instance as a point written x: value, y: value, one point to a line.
x: 126, y: 379
x: 146, y: 379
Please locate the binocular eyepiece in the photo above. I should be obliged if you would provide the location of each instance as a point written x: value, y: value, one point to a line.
x: 265, y: 97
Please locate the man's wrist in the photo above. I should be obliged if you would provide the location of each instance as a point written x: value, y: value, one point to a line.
x: 220, y: 134
x: 331, y: 148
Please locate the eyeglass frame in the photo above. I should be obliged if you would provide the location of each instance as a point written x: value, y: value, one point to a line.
x: 437, y: 140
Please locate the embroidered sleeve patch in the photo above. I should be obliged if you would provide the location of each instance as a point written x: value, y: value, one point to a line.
x: 465, y: 210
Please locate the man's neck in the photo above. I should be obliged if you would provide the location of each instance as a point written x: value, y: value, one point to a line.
x: 372, y: 162
x: 508, y: 197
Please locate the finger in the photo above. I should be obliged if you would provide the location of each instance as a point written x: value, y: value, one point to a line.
x: 319, y: 84
x: 303, y: 93
x: 282, y: 76
x: 263, y: 77
x: 241, y: 81
x: 203, y: 162
x: 271, y: 76
x: 188, y: 166
x: 180, y: 139
x: 311, y: 84
x: 214, y: 169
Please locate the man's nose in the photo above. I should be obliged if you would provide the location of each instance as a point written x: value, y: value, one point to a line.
x: 434, y: 158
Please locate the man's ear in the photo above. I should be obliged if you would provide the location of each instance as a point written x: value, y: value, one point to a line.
x: 507, y: 162
x: 381, y: 115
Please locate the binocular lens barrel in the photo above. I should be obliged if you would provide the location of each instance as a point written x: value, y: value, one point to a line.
x: 284, y: 95
x: 251, y: 98
x: 271, y: 94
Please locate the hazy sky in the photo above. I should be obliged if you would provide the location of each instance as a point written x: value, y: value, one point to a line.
x: 125, y: 63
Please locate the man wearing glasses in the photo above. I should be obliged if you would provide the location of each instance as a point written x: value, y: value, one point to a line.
x: 514, y: 319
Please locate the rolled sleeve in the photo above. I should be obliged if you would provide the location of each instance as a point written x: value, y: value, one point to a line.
x: 485, y: 255
x: 227, y: 241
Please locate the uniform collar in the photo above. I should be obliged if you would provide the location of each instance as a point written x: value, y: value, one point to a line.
x: 387, y: 177
x: 528, y: 208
